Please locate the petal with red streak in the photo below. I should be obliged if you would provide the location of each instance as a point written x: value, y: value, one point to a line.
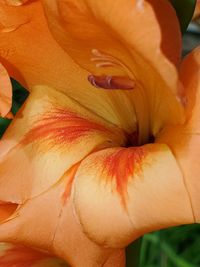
x: 120, y: 194
x: 50, y: 134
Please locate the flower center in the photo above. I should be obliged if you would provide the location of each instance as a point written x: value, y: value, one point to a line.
x: 126, y: 81
x: 151, y: 103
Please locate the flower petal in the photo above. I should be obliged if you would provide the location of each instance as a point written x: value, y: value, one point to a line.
x: 105, y: 38
x: 5, y: 92
x: 184, y: 140
x: 19, y: 256
x: 197, y: 10
x: 83, y: 25
x: 57, y: 232
x: 32, y: 57
x: 120, y: 194
x: 14, y: 2
x: 30, y: 54
x: 6, y: 210
x: 50, y: 134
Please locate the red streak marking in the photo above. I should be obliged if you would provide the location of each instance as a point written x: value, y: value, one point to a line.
x: 20, y: 257
x: 122, y: 165
x: 71, y: 173
x: 61, y: 126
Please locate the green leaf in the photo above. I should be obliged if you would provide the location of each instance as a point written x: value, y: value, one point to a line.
x: 19, y: 93
x: 4, y: 123
x: 184, y: 10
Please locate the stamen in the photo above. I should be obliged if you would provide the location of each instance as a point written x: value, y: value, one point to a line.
x: 112, y: 82
x: 105, y: 60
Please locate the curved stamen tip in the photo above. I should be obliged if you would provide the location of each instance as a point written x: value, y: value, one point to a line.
x: 112, y: 82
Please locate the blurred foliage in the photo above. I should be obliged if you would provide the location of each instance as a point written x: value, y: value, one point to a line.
x: 184, y: 10
x: 19, y: 93
x: 173, y: 247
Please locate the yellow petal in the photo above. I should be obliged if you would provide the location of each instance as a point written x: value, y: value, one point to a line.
x: 5, y: 93
x: 50, y: 134
x: 184, y: 140
x: 32, y: 57
x: 106, y: 39
x: 120, y: 194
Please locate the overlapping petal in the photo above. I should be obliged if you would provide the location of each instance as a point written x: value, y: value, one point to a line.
x: 49, y: 136
x: 72, y: 159
x: 68, y: 160
x: 133, y: 191
x: 32, y: 57
x: 5, y: 93
x: 57, y: 230
x: 105, y: 38
x: 184, y: 139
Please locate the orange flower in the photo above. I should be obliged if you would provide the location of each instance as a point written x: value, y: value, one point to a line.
x: 77, y: 176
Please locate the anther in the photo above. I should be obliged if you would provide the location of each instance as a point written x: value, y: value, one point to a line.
x: 112, y: 82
